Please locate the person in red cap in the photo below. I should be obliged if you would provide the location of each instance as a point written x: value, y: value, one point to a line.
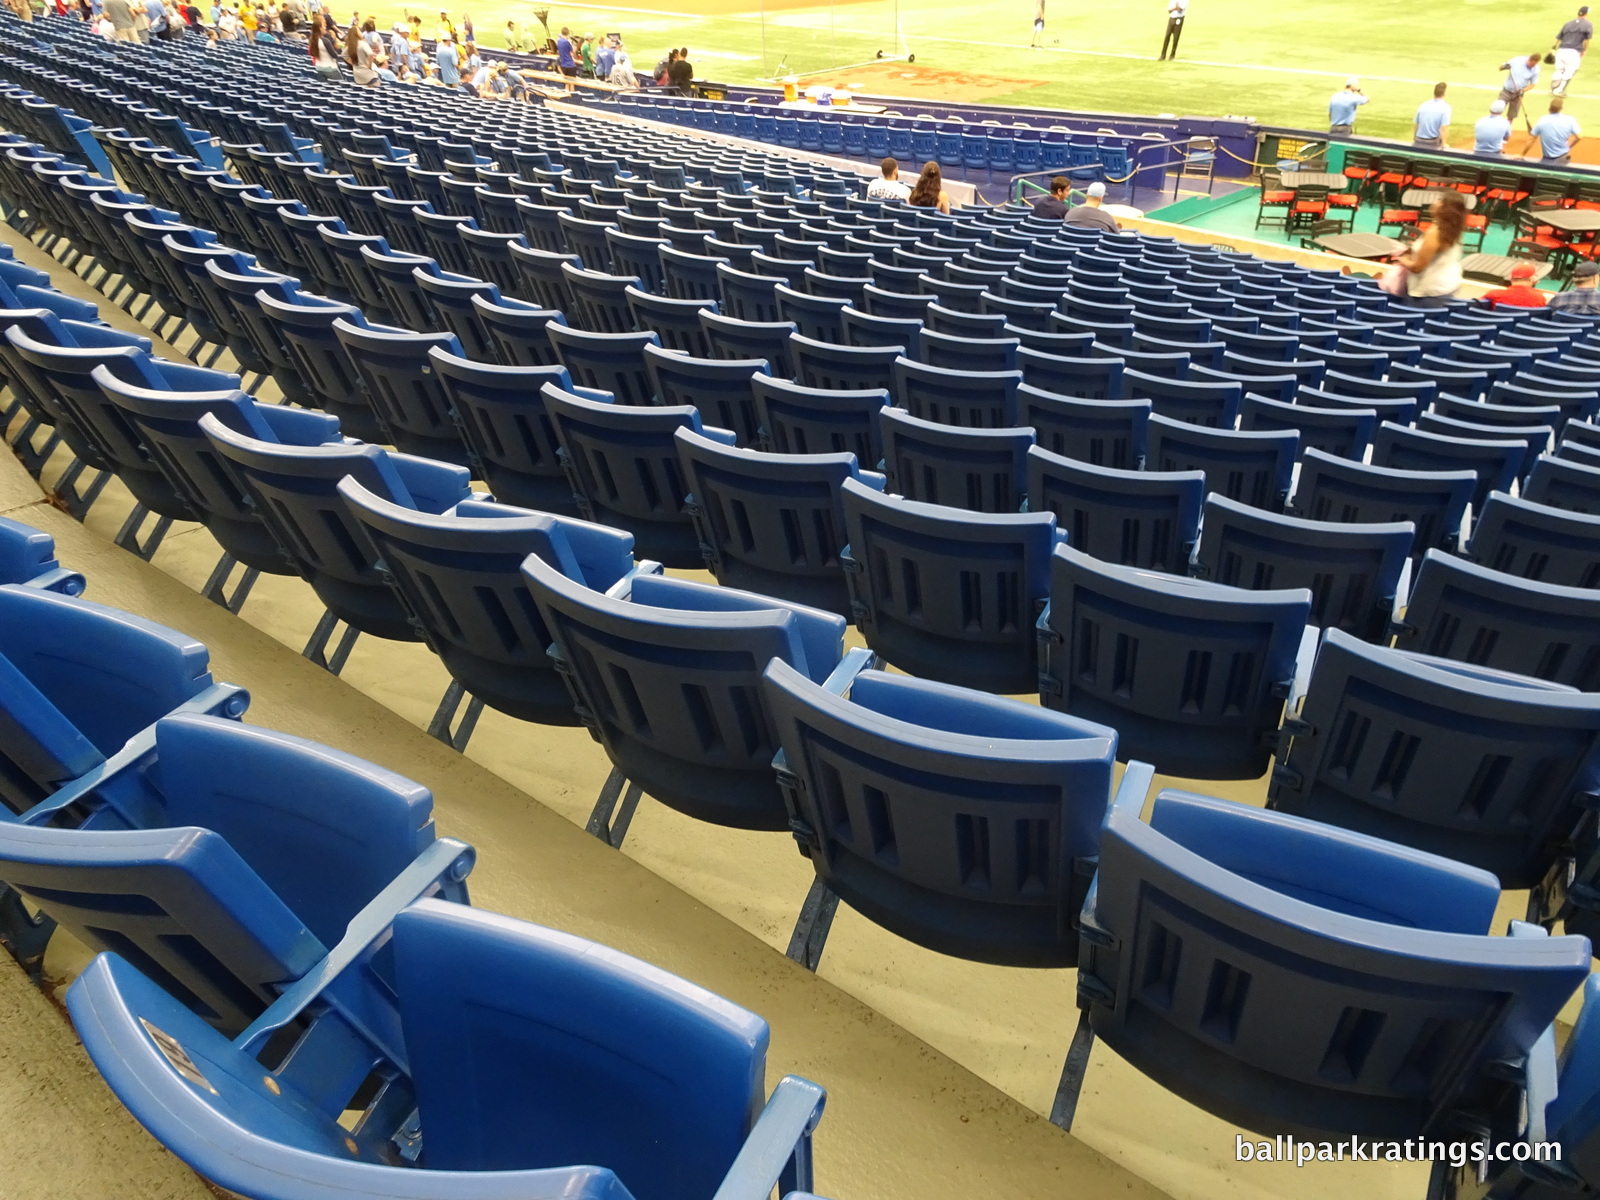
x: 1521, y: 294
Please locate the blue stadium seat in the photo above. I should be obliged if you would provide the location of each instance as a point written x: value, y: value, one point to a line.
x: 1342, y: 432
x: 1353, y: 572
x: 675, y: 322
x: 304, y: 324
x: 1214, y: 405
x: 796, y: 419
x: 459, y: 575
x: 948, y: 594
x: 607, y: 362
x: 517, y: 330
x: 403, y: 390
x: 666, y: 674
x: 686, y: 1066
x: 1192, y: 674
x: 294, y: 488
x: 771, y: 523
x: 1475, y: 614
x: 599, y: 302
x: 957, y: 352
x: 834, y: 366
x: 1108, y: 433
x: 1366, y: 949
x: 1537, y: 542
x: 622, y: 463
x: 1497, y: 463
x: 1002, y: 800
x: 1144, y: 519
x: 732, y: 337
x: 1478, y: 765
x: 1562, y: 484
x: 1253, y: 468
x: 977, y: 399
x: 749, y: 297
x: 979, y: 469
x: 28, y: 556
x: 1337, y: 489
x: 1084, y: 378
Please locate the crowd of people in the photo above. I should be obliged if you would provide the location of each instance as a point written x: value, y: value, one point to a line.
x: 1550, y: 138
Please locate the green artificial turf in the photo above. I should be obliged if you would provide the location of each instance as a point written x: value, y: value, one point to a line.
x: 1275, y: 62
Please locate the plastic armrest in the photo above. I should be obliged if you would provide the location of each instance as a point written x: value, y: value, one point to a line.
x: 1133, y: 789
x: 622, y: 589
x: 1305, y: 658
x: 1402, y: 593
x: 724, y: 436
x: 435, y: 486
x: 299, y: 426
x: 878, y: 480
x: 598, y: 395
x: 852, y: 664
x: 445, y: 861
x: 218, y: 700
x: 778, y: 1151
x: 58, y: 579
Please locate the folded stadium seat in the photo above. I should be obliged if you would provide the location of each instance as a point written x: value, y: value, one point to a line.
x: 1109, y: 433
x: 978, y: 469
x: 1577, y: 403
x: 1144, y: 519
x: 236, y: 335
x: 675, y: 322
x: 218, y: 862
x: 237, y: 289
x: 1561, y: 483
x: 796, y: 419
x: 599, y: 302
x: 504, y: 422
x: 304, y: 324
x: 163, y: 403
x: 816, y: 317
x: 1353, y: 572
x: 636, y: 255
x: 720, y: 388
x: 1488, y: 769
x: 187, y: 304
x: 687, y: 1066
x: 1483, y: 413
x: 406, y: 397
x: 1479, y: 615
x: 976, y: 399
x: 1537, y: 542
x: 1535, y: 438
x: 748, y: 297
x: 459, y: 575
x: 622, y: 463
x: 945, y: 593
x: 733, y: 337
x: 1209, y: 403
x: 1497, y: 463
x: 1343, y: 432
x: 544, y: 281
x: 1337, y: 489
x: 450, y: 298
x: 516, y: 330
x: 294, y: 490
x: 1003, y: 799
x: 1255, y: 468
x: 963, y: 324
x: 1271, y: 915
x: 865, y: 329
x: 691, y: 276
x: 1162, y: 642
x: 607, y: 362
x: 344, y: 250
x: 28, y: 556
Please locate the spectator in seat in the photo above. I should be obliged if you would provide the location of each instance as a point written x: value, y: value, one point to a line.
x: 1584, y: 298
x: 1434, y: 262
x: 929, y: 190
x: 888, y: 186
x: 1522, y: 292
x: 1489, y: 135
x: 1054, y: 204
x: 1089, y: 214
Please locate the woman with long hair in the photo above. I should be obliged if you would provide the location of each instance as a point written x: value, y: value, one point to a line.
x: 323, y: 49
x: 928, y: 191
x: 359, y: 53
x: 1434, y: 262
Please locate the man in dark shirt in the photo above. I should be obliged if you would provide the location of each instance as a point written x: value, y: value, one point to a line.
x: 1571, y: 45
x: 1055, y: 204
x: 1089, y: 214
x: 680, y: 72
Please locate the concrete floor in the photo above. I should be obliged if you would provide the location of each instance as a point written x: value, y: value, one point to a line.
x: 938, y: 1071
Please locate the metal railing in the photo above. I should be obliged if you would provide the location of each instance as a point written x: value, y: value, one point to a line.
x: 1016, y: 183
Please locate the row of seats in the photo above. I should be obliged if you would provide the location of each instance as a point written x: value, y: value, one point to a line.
x: 866, y: 849
x: 260, y: 901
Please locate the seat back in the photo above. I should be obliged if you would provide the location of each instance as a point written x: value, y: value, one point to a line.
x: 1191, y: 674
x: 77, y: 680
x: 609, y: 362
x: 944, y: 593
x: 1475, y: 614
x: 517, y: 331
x: 460, y: 576
x: 1210, y: 404
x: 979, y: 399
x: 1145, y: 519
x: 796, y: 419
x: 1104, y: 433
x: 1342, y: 432
x: 1216, y: 919
x: 1253, y: 468
x: 1562, y: 484
x: 1336, y: 489
x: 669, y: 679
x: 1537, y: 542
x: 1497, y: 462
x: 821, y: 364
x: 305, y: 327
x: 982, y: 469
x: 1478, y: 765
x: 719, y: 388
x: 403, y: 388
x: 956, y: 819
x: 503, y: 419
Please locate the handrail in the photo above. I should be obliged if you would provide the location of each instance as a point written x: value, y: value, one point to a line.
x: 1014, y: 190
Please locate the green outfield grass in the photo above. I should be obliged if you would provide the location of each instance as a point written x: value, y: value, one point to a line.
x: 1275, y: 62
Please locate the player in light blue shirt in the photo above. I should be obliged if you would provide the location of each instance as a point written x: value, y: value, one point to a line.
x: 1556, y: 133
x: 1490, y: 133
x: 1342, y: 107
x: 1433, y: 118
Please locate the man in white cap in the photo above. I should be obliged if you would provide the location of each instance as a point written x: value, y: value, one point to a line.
x: 1489, y: 134
x: 1342, y: 107
x: 1572, y: 43
x: 1089, y: 214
